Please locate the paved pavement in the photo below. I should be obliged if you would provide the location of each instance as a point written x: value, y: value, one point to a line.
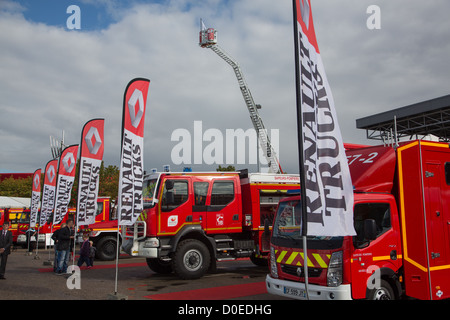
x: 27, y: 278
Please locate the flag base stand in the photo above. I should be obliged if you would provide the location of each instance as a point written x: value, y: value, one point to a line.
x: 28, y: 253
x: 36, y: 257
x: 117, y: 296
x: 48, y: 263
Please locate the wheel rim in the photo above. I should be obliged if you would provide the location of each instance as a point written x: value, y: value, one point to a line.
x: 382, y: 294
x: 110, y: 248
x: 193, y: 260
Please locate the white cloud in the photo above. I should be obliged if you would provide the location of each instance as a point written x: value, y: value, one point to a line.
x: 53, y: 79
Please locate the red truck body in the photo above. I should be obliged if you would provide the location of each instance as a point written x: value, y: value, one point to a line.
x: 103, y: 233
x: 13, y: 216
x: 45, y: 231
x: 402, y: 220
x: 191, y: 220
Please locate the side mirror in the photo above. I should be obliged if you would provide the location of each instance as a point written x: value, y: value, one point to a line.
x: 169, y: 184
x: 169, y: 197
x: 370, y: 229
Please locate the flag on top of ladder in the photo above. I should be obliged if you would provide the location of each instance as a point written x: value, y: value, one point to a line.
x: 327, y: 180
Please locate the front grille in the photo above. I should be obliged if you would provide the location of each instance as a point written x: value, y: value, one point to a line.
x: 292, y: 270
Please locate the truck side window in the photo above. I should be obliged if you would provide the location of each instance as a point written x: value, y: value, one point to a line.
x: 447, y: 173
x: 200, y: 193
x: 180, y: 193
x: 222, y: 193
x: 99, y: 208
x: 380, y: 212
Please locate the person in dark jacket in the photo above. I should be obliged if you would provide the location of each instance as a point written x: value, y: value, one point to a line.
x: 55, y: 245
x: 84, y: 252
x: 63, y: 246
x: 6, y: 241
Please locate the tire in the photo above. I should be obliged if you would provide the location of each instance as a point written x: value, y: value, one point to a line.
x: 106, y: 248
x: 159, y: 266
x: 261, y: 262
x: 191, y: 259
x: 384, y: 292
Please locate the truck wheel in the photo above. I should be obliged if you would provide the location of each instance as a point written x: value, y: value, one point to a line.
x: 106, y: 248
x: 159, y: 266
x: 384, y: 292
x: 191, y: 260
x: 258, y: 261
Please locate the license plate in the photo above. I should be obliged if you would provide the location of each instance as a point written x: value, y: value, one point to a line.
x: 295, y: 292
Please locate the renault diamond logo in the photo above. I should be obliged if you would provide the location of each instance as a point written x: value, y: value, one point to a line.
x: 136, y: 101
x: 36, y: 181
x: 51, y: 173
x: 93, y: 147
x: 304, y: 8
x: 68, y: 162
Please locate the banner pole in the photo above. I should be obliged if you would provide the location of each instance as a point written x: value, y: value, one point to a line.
x: 74, y: 245
x: 54, y: 245
x: 304, y: 227
x: 117, y: 259
x: 36, y: 257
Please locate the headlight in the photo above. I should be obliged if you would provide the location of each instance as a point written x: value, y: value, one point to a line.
x: 273, y: 263
x: 151, y: 243
x: 334, y: 274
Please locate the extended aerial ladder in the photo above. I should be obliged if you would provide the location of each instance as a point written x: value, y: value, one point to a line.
x: 208, y: 39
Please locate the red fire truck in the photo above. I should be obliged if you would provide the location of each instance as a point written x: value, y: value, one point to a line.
x: 104, y: 231
x: 13, y: 216
x: 402, y: 219
x: 45, y: 231
x: 191, y: 220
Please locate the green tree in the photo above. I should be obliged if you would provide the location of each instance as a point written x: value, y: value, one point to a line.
x: 11, y: 187
x: 109, y: 181
x: 229, y: 168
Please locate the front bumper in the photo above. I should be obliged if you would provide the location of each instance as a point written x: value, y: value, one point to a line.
x: 138, y: 248
x: 283, y: 287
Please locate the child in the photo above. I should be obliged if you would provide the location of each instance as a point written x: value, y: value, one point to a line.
x: 92, y: 251
x: 84, y: 252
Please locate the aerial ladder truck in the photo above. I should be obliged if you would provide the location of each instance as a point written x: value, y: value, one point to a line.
x: 208, y: 39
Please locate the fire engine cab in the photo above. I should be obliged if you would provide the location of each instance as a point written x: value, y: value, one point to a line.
x: 401, y: 217
x: 191, y: 220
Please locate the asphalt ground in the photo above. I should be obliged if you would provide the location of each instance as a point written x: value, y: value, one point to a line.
x: 236, y: 289
x: 28, y: 278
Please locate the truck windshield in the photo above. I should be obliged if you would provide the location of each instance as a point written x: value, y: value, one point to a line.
x: 149, y: 192
x: 287, y: 229
x: 288, y: 220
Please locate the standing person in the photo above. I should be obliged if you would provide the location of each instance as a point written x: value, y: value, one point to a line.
x: 55, y: 246
x: 84, y: 252
x: 92, y: 252
x: 6, y: 240
x: 64, y: 238
x: 31, y: 239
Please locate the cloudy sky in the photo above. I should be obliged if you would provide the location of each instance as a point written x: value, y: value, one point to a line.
x: 54, y: 79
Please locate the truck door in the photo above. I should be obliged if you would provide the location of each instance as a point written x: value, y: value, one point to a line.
x: 199, y: 208
x: 438, y: 221
x: 369, y: 256
x: 176, y: 206
x: 223, y: 211
x: 435, y: 225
